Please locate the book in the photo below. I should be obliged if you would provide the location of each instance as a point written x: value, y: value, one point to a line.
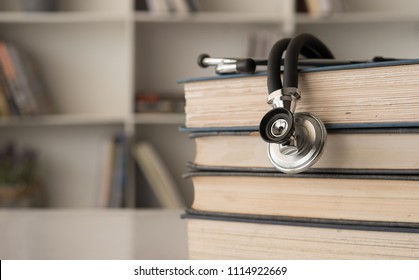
x: 159, y: 103
x: 101, y: 197
x: 324, y: 8
x: 11, y: 80
x: 372, y: 151
x: 7, y: 90
x: 34, y: 84
x: 4, y: 105
x: 213, y: 236
x: 373, y: 94
x: 336, y: 197
x: 181, y: 7
x: 23, y: 91
x: 119, y: 171
x: 158, y: 6
x: 158, y: 176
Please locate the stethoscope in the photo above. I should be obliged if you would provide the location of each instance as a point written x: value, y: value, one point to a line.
x: 295, y: 140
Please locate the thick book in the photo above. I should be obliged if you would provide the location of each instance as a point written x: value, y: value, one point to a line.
x: 373, y: 151
x: 219, y: 236
x: 337, y: 197
x: 373, y: 94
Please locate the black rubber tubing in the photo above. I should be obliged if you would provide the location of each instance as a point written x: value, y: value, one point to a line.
x: 291, y: 56
x: 274, y: 64
x: 309, y: 50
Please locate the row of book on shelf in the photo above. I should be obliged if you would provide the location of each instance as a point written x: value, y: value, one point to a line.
x: 152, y: 177
x: 161, y: 103
x: 359, y: 201
x: 21, y: 186
x: 22, y: 91
x: 316, y: 8
x: 166, y: 6
x: 321, y: 8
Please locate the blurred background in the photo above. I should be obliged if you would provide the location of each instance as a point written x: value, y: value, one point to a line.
x: 91, y: 156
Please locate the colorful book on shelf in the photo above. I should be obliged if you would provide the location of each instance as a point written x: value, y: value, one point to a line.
x: 368, y: 94
x: 4, y: 103
x: 7, y: 77
x: 161, y: 103
x: 20, y: 82
x: 119, y: 171
x: 166, y: 6
x: 323, y: 8
x: 157, y: 176
x: 220, y: 236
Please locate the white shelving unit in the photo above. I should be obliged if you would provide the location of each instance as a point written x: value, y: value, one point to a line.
x: 96, y: 54
x: 369, y: 28
x: 84, y: 53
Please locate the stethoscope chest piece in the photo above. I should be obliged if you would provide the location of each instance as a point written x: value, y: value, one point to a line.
x: 295, y: 140
x: 310, y: 137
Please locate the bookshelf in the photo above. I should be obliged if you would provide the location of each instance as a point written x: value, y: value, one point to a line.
x: 96, y: 55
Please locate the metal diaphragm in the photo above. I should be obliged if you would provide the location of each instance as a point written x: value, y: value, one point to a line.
x: 310, y: 134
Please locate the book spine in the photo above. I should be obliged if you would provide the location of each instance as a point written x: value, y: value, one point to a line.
x: 25, y: 91
x: 180, y: 6
x: 12, y: 79
x: 37, y: 89
x: 4, y: 107
x: 118, y: 173
x: 7, y: 87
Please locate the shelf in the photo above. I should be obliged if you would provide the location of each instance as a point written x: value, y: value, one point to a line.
x: 59, y: 120
x: 160, y: 118
x: 359, y: 17
x: 61, y: 17
x: 208, y: 17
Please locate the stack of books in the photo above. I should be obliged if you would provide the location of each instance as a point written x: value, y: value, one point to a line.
x: 359, y: 201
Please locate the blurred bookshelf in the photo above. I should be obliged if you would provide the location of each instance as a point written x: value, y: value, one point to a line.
x: 97, y: 57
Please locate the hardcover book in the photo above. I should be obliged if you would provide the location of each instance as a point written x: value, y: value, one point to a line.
x: 375, y: 198
x: 213, y: 236
x: 372, y: 151
x: 373, y: 94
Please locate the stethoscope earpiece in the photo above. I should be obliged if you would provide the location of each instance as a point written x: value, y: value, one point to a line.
x: 295, y: 141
